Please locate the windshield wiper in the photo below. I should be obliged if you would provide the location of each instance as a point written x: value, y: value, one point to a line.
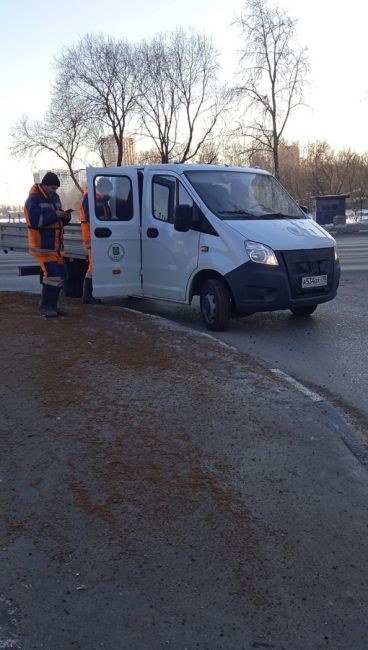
x: 257, y: 215
x: 279, y: 215
x: 242, y: 212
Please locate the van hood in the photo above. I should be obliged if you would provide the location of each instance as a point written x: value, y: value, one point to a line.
x: 284, y: 234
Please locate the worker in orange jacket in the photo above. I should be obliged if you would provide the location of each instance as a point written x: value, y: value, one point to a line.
x: 46, y: 220
x: 102, y: 209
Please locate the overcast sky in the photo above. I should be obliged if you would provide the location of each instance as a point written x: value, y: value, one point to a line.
x: 34, y: 32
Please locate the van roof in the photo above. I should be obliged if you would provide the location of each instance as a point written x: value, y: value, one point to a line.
x: 185, y: 167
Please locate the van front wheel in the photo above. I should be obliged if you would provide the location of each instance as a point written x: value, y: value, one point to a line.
x: 215, y: 304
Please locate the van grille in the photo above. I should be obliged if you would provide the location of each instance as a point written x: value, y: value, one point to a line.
x: 303, y: 263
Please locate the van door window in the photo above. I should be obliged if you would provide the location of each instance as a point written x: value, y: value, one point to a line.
x: 167, y: 193
x: 113, y: 198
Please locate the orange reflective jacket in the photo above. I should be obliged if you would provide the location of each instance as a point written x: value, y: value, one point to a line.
x: 45, y: 229
x: 102, y: 212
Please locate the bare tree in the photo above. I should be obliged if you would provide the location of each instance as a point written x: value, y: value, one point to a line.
x: 182, y: 101
x: 202, y: 100
x: 159, y: 104
x: 335, y: 172
x: 209, y: 153
x: 273, y: 72
x: 306, y: 172
x: 62, y: 132
x: 149, y: 157
x: 101, y: 75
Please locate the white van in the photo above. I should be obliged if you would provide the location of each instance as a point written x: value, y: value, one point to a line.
x: 231, y: 235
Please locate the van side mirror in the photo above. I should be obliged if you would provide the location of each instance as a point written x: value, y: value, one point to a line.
x: 304, y: 208
x: 183, y: 217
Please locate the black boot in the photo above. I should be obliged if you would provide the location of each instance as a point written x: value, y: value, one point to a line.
x: 60, y: 312
x: 88, y: 298
x: 47, y: 308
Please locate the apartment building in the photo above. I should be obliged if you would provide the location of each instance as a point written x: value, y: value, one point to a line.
x: 110, y: 151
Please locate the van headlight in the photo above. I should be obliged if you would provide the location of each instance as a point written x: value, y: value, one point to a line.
x: 336, y: 255
x: 260, y: 253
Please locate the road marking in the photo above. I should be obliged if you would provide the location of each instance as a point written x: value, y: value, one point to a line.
x: 300, y: 387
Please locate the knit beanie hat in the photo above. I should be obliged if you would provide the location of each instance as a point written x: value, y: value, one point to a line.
x: 50, y: 179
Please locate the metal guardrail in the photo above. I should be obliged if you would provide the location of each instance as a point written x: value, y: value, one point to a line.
x: 17, y: 217
x: 14, y: 236
x: 355, y: 227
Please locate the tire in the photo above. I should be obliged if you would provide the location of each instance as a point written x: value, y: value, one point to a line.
x: 215, y: 304
x: 303, y: 311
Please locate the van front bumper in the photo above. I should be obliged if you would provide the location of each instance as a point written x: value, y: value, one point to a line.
x: 257, y: 287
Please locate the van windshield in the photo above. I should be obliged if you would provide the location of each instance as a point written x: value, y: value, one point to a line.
x: 243, y: 195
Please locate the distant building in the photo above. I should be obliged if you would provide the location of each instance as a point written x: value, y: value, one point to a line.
x: 330, y: 206
x: 110, y: 151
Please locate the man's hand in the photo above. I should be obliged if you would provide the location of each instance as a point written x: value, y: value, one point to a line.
x: 64, y: 216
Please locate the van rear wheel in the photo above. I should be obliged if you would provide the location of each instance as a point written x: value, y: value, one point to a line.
x: 303, y: 311
x: 215, y: 304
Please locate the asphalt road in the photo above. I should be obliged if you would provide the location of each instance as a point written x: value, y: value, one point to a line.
x: 327, y: 352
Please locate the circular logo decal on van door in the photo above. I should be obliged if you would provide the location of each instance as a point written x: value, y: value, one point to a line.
x: 116, y: 252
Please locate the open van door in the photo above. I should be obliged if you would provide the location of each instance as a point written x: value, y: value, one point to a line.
x: 114, y: 211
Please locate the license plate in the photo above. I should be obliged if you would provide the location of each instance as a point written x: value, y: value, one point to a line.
x: 311, y: 281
